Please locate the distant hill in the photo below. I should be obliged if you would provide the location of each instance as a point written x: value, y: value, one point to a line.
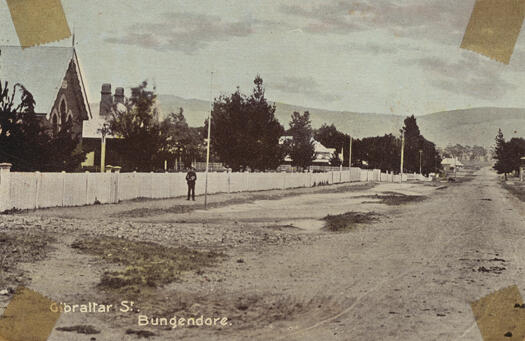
x: 357, y: 124
x: 477, y: 126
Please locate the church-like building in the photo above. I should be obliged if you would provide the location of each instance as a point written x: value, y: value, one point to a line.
x: 54, y: 77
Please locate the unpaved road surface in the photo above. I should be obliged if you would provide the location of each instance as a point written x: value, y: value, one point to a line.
x: 410, y: 275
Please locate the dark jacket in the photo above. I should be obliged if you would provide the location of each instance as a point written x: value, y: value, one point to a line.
x: 191, y: 177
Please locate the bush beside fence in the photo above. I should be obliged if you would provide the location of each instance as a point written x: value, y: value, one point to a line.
x: 21, y: 190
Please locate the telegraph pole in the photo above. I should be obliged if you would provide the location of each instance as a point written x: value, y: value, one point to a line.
x: 208, y: 144
x: 420, y: 155
x: 350, y: 159
x: 402, y: 154
x: 350, y: 153
x: 103, y: 153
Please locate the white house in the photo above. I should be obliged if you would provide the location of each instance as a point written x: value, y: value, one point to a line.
x: 322, y: 154
x: 449, y: 164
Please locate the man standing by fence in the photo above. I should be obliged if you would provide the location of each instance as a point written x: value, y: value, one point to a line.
x: 191, y: 178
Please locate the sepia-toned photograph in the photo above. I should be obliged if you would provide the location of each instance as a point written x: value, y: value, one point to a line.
x: 262, y: 170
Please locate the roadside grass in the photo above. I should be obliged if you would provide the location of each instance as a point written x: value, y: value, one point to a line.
x: 243, y: 199
x: 349, y: 220
x: 20, y: 247
x: 80, y: 329
x: 517, y: 189
x: 463, y: 179
x: 145, y: 264
x: 393, y: 198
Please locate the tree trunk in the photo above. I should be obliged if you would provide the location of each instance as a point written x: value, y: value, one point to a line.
x: 505, y: 176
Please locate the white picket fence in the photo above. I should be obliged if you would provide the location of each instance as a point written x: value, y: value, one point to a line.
x: 23, y: 190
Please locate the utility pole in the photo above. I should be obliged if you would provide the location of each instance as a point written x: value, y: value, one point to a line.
x: 350, y: 159
x: 350, y: 153
x: 103, y: 153
x: 455, y: 167
x: 420, y: 154
x: 208, y: 144
x: 402, y: 154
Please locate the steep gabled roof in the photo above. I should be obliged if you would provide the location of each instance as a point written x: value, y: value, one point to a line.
x: 40, y: 70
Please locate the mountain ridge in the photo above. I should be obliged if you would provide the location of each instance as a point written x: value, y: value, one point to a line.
x: 471, y: 126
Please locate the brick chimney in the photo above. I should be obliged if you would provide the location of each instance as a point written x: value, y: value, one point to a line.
x: 119, y: 95
x: 106, y: 100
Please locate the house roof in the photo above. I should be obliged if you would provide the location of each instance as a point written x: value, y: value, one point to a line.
x: 451, y: 161
x: 40, y: 70
x: 320, y: 148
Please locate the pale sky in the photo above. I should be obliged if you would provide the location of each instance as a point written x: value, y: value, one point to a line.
x: 380, y: 56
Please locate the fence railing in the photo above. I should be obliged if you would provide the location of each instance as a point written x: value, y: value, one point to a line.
x: 25, y: 190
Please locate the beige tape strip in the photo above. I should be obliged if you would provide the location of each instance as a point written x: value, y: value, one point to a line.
x: 38, y: 21
x: 27, y: 317
x: 496, y: 315
x: 494, y: 27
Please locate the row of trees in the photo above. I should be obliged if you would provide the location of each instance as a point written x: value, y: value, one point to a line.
x: 383, y: 152
x: 143, y: 142
x: 507, y: 154
x: 245, y: 135
x: 471, y: 153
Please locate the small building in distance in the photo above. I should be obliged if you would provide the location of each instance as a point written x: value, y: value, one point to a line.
x: 323, y: 155
x: 53, y: 76
x: 450, y: 164
x: 92, y: 129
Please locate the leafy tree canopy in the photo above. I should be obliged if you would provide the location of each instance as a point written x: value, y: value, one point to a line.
x: 301, y: 147
x: 140, y: 144
x: 245, y: 132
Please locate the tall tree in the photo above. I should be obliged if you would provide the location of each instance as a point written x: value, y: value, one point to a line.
x: 182, y: 142
x: 380, y: 152
x: 413, y: 144
x: 515, y: 149
x: 503, y: 163
x: 140, y: 142
x: 301, y: 148
x: 245, y: 132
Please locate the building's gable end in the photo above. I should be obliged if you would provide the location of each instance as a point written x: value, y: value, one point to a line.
x: 69, y: 102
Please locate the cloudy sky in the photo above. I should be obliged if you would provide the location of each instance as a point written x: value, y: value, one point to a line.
x: 367, y: 56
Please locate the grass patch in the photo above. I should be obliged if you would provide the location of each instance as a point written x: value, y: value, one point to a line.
x: 348, y: 220
x: 140, y: 333
x: 20, y: 247
x: 80, y: 329
x: 517, y: 189
x: 13, y: 210
x: 145, y: 264
x: 393, y: 198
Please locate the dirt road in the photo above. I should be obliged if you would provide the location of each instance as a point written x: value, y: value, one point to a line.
x: 409, y: 275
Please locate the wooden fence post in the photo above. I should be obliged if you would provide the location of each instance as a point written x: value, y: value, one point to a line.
x: 86, y: 174
x: 229, y: 181
x: 63, y: 187
x: 137, y: 186
x: 151, y: 184
x: 5, y: 186
x: 38, y: 181
x: 117, y: 182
